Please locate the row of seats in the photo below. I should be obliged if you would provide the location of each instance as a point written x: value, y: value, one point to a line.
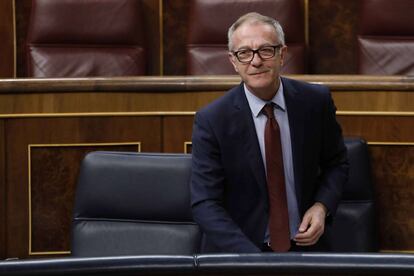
x: 139, y: 204
x: 107, y: 38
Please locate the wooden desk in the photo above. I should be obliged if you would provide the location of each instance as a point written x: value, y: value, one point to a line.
x: 47, y: 125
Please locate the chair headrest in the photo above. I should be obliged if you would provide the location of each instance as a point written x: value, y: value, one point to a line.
x: 126, y: 186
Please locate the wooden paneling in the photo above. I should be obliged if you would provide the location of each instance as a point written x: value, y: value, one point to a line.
x: 395, y: 101
x: 136, y: 94
x: 53, y: 175
x: 332, y: 36
x: 377, y: 128
x: 104, y: 102
x: 25, y: 131
x: 176, y: 132
x: 7, y: 39
x: 175, y: 18
x: 393, y: 170
x: 23, y: 8
x: 152, y: 36
x: 391, y: 144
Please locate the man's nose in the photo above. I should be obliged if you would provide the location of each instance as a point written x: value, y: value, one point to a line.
x: 257, y: 60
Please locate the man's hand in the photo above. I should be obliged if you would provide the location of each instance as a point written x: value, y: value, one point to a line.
x: 312, y: 226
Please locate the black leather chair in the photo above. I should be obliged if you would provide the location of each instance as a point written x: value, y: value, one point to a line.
x: 134, y: 204
x: 353, y: 228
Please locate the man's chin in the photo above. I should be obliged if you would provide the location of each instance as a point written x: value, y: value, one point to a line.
x: 259, y: 83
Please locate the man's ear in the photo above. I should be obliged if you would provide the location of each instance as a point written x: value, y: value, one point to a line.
x: 283, y: 53
x: 233, y: 61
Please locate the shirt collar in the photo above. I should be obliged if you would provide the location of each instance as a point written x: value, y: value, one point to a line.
x: 256, y: 104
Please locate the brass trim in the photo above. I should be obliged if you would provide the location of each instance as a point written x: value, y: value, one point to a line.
x: 40, y: 253
x: 186, y: 144
x: 374, y: 113
x: 161, y: 30
x: 397, y: 251
x: 376, y: 143
x: 29, y: 147
x: 306, y: 19
x: 179, y: 113
x: 29, y: 173
x: 98, y: 114
x: 14, y: 40
x: 86, y: 145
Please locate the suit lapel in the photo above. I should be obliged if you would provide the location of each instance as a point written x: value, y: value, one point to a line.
x: 296, y: 113
x: 249, y: 138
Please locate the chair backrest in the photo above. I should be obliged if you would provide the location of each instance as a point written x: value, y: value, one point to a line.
x: 386, y: 37
x: 354, y: 226
x: 209, y: 20
x: 134, y: 204
x: 77, y: 38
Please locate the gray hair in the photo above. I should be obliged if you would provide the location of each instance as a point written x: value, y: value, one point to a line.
x: 252, y: 18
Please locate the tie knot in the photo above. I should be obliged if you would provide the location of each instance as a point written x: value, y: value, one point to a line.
x: 268, y: 110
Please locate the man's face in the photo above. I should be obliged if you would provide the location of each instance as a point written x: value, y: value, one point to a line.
x: 260, y: 76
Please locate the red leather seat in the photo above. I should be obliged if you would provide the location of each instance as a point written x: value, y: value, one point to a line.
x: 77, y: 38
x: 386, y: 37
x: 209, y: 20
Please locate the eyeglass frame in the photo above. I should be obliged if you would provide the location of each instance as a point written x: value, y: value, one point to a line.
x: 279, y: 46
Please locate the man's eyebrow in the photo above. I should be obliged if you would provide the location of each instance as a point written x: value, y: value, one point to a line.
x: 261, y: 46
x: 243, y: 48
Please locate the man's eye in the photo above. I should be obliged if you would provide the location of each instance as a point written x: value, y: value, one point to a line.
x: 266, y: 50
x: 244, y: 52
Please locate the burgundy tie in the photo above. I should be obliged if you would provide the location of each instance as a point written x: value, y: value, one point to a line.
x: 278, y: 211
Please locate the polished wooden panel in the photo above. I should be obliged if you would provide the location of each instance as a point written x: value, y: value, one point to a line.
x: 393, y: 167
x: 176, y: 131
x: 7, y: 39
x: 152, y: 36
x: 25, y: 131
x: 53, y: 175
x: 175, y: 18
x: 332, y: 36
x: 136, y: 94
x: 23, y: 8
x: 3, y: 197
x: 377, y: 128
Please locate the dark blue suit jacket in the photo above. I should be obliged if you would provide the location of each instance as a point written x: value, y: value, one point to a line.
x: 228, y: 186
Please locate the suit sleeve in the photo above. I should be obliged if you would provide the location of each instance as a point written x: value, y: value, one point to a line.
x: 207, y: 192
x: 333, y: 159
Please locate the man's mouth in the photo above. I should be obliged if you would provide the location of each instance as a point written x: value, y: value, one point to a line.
x: 257, y: 73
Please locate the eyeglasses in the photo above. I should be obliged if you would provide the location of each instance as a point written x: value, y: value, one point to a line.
x: 266, y: 52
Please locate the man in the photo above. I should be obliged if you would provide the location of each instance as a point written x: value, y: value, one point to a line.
x: 231, y: 183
